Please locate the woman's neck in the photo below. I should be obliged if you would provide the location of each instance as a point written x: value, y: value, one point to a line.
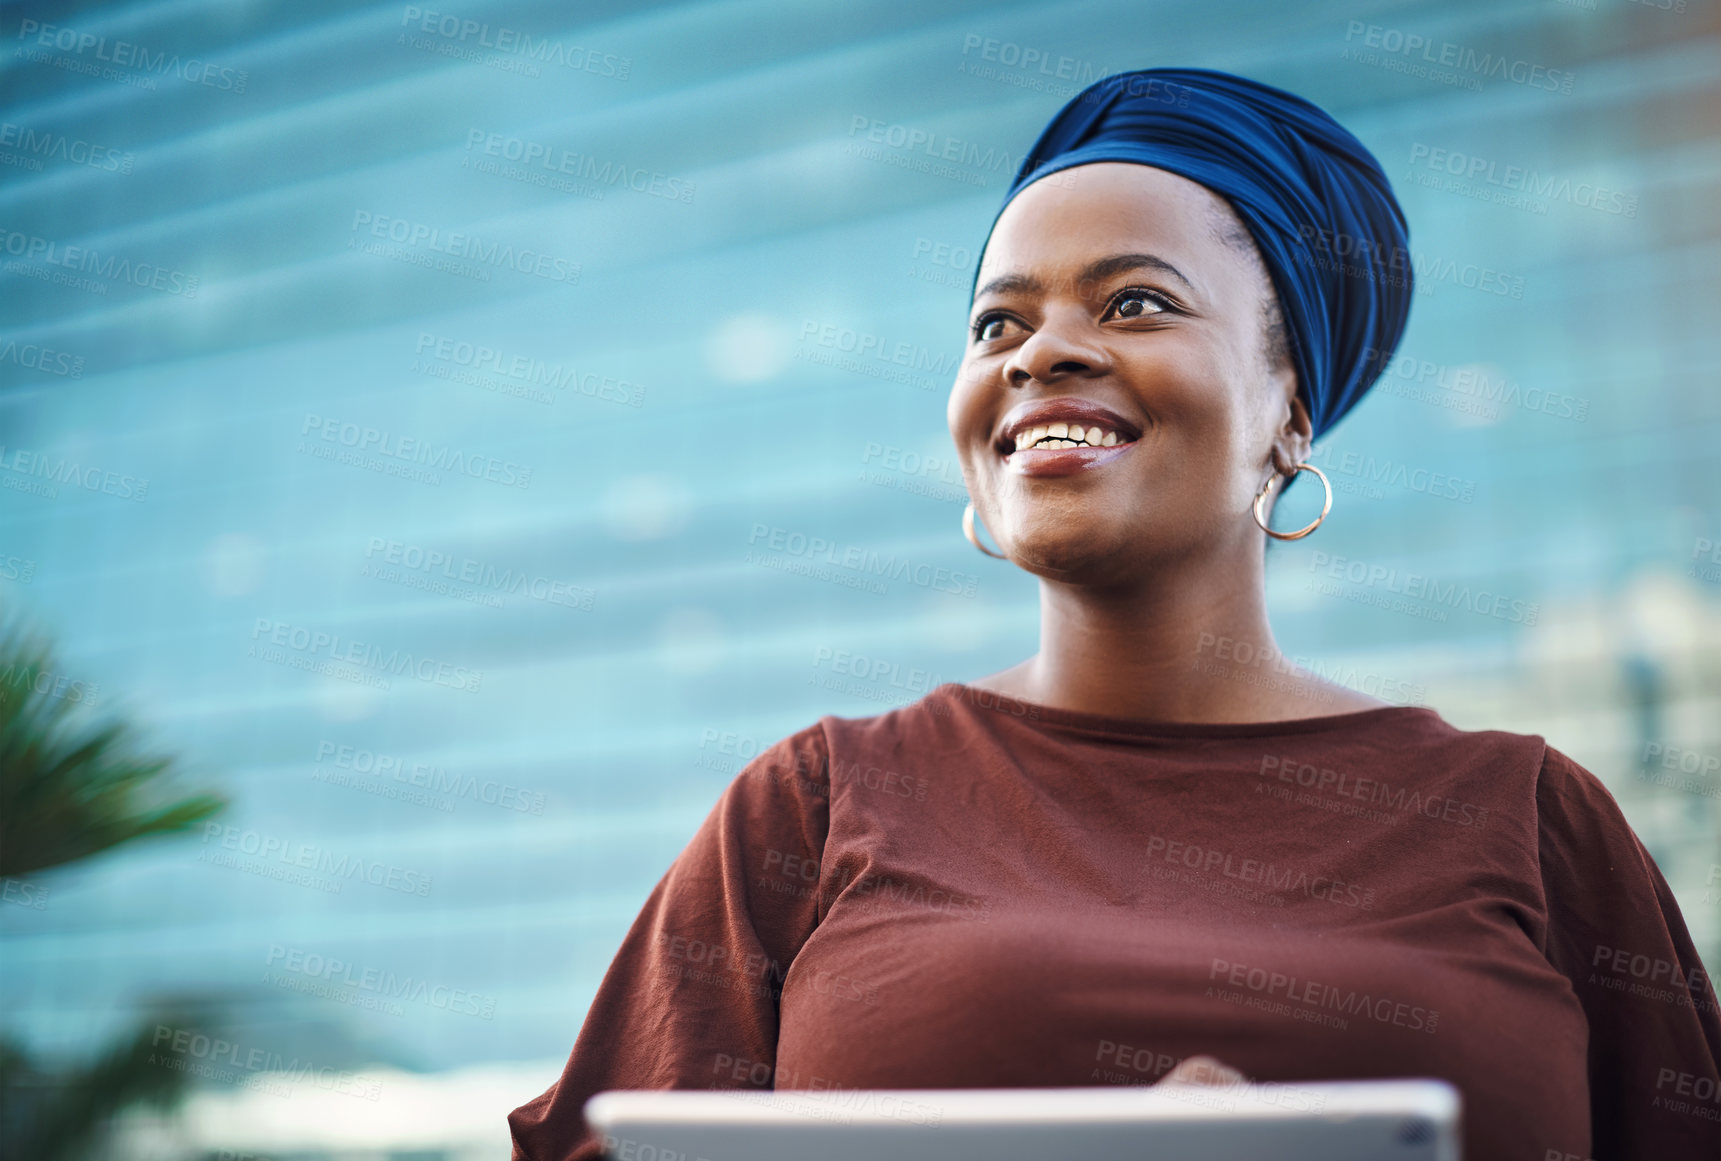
x: 1189, y: 652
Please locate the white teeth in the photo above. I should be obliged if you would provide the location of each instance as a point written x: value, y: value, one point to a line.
x: 1065, y: 435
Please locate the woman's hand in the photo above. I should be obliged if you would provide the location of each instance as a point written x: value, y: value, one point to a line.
x: 1203, y: 1070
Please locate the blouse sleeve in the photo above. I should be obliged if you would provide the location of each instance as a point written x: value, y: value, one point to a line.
x: 691, y: 999
x: 1615, y: 930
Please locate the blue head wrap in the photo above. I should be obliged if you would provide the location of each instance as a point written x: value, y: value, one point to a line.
x: 1313, y: 197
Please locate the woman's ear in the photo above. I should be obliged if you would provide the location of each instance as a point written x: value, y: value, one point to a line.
x: 1295, y: 438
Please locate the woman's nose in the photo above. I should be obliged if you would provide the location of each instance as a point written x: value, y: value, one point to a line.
x: 1060, y: 348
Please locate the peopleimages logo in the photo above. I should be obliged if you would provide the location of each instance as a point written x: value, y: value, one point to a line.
x: 1519, y: 179
x: 341, y: 973
x: 1392, y: 473
x: 944, y: 155
x: 528, y: 371
x: 430, y: 777
x: 109, y: 266
x: 21, y: 679
x: 455, y: 244
x: 337, y: 649
x: 200, y: 1054
x: 487, y: 576
x: 554, y: 159
x: 876, y: 356
x: 505, y: 41
x: 1486, y: 391
x: 37, y: 464
x: 1421, y: 587
x: 1461, y: 58
x: 126, y: 55
x: 1304, y: 998
x: 1040, y: 61
x: 389, y: 446
x: 34, y: 144
x: 861, y: 562
x: 36, y: 357
x: 310, y: 857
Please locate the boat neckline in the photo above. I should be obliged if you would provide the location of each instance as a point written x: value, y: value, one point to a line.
x: 1032, y: 712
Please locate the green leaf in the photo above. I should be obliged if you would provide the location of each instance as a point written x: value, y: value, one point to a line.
x: 74, y: 784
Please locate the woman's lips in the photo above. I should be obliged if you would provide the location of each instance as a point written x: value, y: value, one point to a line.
x: 1062, y: 461
x: 1090, y: 432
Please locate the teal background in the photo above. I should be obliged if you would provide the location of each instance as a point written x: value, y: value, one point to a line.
x: 668, y: 392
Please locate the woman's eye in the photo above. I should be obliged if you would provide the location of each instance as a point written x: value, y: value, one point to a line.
x: 989, y: 327
x: 1138, y: 304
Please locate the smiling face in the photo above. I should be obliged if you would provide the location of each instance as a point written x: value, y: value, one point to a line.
x: 1130, y: 300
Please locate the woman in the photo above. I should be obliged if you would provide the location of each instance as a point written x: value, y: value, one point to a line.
x: 1155, y: 844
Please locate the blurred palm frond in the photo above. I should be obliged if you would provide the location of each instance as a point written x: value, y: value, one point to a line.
x: 72, y: 784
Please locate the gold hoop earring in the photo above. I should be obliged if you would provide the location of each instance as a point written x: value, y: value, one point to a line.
x: 1261, y: 497
x: 968, y: 531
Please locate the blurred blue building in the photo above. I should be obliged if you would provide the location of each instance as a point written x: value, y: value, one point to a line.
x: 466, y: 435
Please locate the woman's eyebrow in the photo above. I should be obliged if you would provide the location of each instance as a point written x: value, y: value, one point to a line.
x: 1095, y: 271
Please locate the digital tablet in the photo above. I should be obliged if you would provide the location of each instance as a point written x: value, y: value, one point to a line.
x: 1395, y: 1120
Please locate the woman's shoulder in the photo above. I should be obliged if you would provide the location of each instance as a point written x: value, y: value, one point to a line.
x: 1569, y: 809
x: 1579, y: 816
x: 1553, y: 774
x: 798, y: 760
x: 794, y: 775
x: 1506, y: 766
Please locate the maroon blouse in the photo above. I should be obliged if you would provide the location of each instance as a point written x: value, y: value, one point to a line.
x: 973, y: 891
